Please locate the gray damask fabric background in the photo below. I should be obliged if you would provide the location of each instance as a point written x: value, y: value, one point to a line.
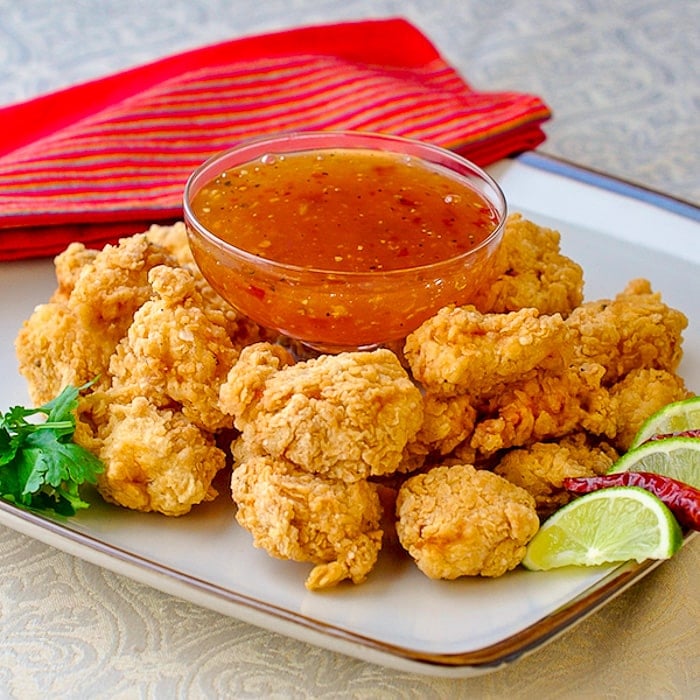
x: 621, y: 78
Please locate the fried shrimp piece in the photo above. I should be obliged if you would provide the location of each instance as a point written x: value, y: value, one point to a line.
x: 447, y: 422
x: 303, y: 517
x: 68, y: 265
x: 177, y: 351
x: 155, y: 459
x: 345, y: 416
x: 109, y: 290
x: 460, y: 350
x: 174, y: 240
x: 641, y: 393
x: 54, y: 350
x: 460, y: 521
x: 545, y: 406
x: 241, y: 329
x: 70, y: 340
x: 635, y: 330
x: 541, y: 468
x: 246, y: 382
x: 531, y: 272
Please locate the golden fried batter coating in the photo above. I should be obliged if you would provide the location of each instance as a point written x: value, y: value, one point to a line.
x: 460, y: 350
x: 71, y: 341
x: 545, y: 406
x: 174, y: 240
x: 177, y: 353
x: 346, y: 416
x: 641, y: 393
x: 303, y: 517
x: 68, y: 265
x: 461, y: 521
x: 541, y: 468
x: 109, y: 290
x: 155, y: 459
x: 245, y: 384
x: 634, y: 330
x: 447, y: 422
x: 241, y: 329
x: 534, y: 377
x: 55, y: 350
x: 531, y: 271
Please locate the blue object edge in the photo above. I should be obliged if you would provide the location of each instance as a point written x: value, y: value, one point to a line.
x: 558, y: 166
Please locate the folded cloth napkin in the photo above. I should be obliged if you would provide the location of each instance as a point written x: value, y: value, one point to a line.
x: 106, y: 158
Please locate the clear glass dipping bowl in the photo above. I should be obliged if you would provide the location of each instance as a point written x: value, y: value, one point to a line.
x: 325, y: 309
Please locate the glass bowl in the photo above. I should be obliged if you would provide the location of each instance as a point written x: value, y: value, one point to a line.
x: 312, y: 299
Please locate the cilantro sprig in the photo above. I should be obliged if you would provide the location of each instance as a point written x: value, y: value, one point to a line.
x: 41, y: 468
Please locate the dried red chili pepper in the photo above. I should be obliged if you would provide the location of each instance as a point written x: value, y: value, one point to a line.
x: 682, y: 499
x: 693, y: 433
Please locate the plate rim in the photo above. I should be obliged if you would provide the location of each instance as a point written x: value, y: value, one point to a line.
x: 557, y: 165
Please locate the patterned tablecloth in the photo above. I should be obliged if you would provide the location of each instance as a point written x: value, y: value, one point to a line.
x: 621, y: 78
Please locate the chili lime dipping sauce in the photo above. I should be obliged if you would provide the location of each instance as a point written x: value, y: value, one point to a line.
x: 346, y: 247
x: 351, y: 210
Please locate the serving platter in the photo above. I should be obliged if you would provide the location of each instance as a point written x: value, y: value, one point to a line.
x: 398, y: 618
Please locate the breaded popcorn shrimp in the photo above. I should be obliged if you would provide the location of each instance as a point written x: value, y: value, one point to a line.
x: 68, y: 266
x: 70, y: 340
x: 635, y: 330
x: 302, y: 517
x: 641, y: 393
x: 460, y: 521
x: 155, y: 459
x: 176, y: 352
x: 347, y: 416
x: 531, y: 271
x: 541, y: 468
x: 447, y: 422
x: 460, y: 350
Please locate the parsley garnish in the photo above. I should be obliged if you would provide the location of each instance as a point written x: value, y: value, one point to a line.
x: 41, y: 468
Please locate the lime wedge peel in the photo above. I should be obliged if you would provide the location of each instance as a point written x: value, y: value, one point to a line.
x: 677, y: 457
x: 672, y: 418
x: 608, y: 526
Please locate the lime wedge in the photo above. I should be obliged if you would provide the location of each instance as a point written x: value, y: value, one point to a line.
x: 677, y: 457
x: 611, y: 525
x: 673, y: 418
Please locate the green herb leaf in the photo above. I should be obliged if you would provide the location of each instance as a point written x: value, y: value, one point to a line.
x: 41, y: 468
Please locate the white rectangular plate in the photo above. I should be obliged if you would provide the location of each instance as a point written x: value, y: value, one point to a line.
x: 398, y: 618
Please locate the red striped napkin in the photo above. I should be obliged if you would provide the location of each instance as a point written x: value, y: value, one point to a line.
x: 107, y: 158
